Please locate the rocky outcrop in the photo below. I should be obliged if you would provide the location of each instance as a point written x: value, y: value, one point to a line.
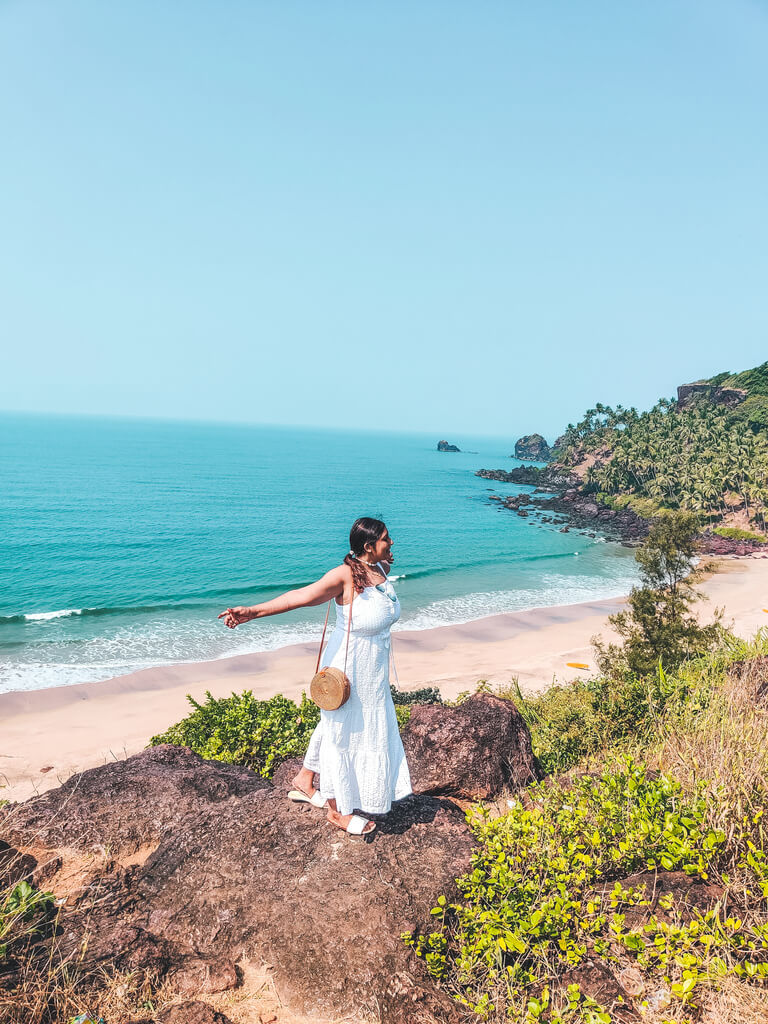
x: 582, y: 511
x: 554, y: 478
x: 475, y: 750
x: 190, y: 1012
x: 181, y: 866
x: 444, y: 446
x: 532, y: 448
x: 712, y: 544
x: 689, y: 394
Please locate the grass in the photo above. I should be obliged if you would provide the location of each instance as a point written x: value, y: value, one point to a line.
x: 666, y: 773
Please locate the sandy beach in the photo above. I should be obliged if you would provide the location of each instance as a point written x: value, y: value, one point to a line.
x: 48, y: 735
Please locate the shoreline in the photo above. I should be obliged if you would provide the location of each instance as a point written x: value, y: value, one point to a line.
x: 47, y: 735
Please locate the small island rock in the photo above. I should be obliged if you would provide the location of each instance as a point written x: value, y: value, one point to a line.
x: 444, y: 446
x: 532, y: 448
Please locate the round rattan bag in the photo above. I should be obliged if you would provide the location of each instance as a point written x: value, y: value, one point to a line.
x: 329, y: 688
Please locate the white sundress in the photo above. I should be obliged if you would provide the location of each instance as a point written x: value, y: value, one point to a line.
x: 357, y: 749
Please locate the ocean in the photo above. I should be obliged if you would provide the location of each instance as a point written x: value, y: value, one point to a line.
x: 121, y: 540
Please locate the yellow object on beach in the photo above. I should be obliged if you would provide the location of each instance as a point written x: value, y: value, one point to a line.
x: 576, y: 664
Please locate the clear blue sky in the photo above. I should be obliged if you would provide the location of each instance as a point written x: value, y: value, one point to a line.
x: 475, y: 217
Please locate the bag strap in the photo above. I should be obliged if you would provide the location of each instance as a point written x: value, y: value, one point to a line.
x: 325, y: 627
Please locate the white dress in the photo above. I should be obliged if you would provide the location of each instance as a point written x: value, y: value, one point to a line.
x: 357, y: 749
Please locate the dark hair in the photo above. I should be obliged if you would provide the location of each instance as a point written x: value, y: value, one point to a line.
x: 364, y: 531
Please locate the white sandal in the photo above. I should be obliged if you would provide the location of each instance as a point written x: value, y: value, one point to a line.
x: 300, y: 797
x: 357, y: 824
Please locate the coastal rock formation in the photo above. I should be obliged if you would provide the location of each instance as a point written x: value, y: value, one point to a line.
x: 444, y: 446
x: 180, y: 866
x: 552, y: 478
x: 582, y: 510
x: 712, y: 544
x: 475, y: 750
x: 689, y: 394
x: 532, y: 448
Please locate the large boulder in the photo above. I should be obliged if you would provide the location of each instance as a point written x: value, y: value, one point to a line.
x: 532, y: 448
x: 444, y: 446
x: 182, y: 866
x: 476, y: 750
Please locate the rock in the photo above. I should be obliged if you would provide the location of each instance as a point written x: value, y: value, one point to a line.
x: 690, y: 394
x: 712, y: 544
x: 191, y: 1013
x: 475, y: 751
x: 532, y: 448
x: 689, y: 894
x: 596, y: 981
x: 125, y: 809
x: 444, y: 446
x: 227, y: 866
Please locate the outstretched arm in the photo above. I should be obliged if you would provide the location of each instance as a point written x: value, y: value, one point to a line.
x: 329, y: 586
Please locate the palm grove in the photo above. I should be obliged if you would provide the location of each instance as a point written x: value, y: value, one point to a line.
x: 705, y: 458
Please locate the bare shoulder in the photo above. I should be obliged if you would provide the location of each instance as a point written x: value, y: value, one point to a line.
x: 340, y: 574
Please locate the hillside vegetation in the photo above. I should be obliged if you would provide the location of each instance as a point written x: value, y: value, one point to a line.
x: 632, y: 883
x: 705, y: 457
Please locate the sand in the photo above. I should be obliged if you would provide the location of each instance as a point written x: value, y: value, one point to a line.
x: 47, y: 735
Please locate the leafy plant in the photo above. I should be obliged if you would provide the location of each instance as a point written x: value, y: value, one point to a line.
x: 243, y: 730
x: 426, y: 695
x: 531, y: 905
x: 25, y: 911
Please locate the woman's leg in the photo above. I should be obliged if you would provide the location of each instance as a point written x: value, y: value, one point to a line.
x: 305, y: 780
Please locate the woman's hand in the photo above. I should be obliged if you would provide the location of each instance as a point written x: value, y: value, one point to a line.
x: 235, y: 616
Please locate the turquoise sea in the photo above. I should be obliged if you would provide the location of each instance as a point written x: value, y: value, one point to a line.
x: 121, y: 540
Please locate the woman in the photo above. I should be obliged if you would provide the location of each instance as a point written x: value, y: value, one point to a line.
x: 357, y: 749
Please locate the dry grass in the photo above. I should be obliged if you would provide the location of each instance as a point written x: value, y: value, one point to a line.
x: 725, y: 749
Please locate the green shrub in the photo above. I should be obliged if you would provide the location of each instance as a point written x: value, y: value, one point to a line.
x: 427, y: 695
x: 734, y: 533
x: 243, y: 730
x: 565, y: 726
x: 646, y: 508
x: 531, y: 905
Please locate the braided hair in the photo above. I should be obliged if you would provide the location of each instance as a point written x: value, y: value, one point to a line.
x: 364, y: 531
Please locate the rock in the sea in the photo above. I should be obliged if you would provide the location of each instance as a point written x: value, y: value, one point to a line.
x: 475, y: 750
x: 180, y: 866
x: 532, y: 448
x: 444, y: 446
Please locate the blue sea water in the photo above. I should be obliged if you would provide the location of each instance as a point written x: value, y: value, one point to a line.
x: 121, y: 540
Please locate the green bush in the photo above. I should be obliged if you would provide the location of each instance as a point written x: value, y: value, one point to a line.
x: 240, y: 729
x: 535, y: 902
x: 427, y: 695
x: 734, y: 533
x: 260, y: 734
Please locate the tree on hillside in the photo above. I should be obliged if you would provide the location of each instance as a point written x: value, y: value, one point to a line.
x: 658, y: 624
